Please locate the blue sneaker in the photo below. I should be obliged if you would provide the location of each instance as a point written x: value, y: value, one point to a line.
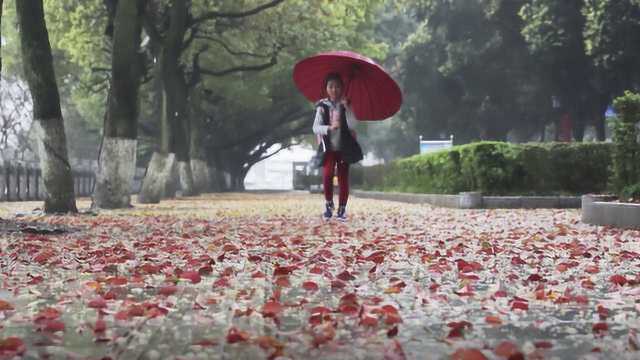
x: 328, y: 210
x: 341, y: 213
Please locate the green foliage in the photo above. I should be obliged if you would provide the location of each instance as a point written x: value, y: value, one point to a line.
x: 626, y: 155
x: 499, y: 168
x: 612, y: 39
x: 631, y: 193
x: 467, y: 71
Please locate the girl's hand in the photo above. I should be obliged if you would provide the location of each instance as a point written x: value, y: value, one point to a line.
x: 345, y: 102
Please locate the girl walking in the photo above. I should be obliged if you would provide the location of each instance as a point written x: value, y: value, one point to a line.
x: 334, y: 123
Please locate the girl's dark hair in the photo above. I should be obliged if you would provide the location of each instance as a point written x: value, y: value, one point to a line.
x: 334, y: 76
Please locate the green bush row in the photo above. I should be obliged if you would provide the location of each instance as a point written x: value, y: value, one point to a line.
x: 496, y: 168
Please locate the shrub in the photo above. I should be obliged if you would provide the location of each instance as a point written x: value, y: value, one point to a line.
x: 500, y: 169
x: 631, y: 193
x: 626, y: 154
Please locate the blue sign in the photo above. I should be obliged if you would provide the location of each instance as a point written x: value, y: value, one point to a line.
x: 609, y: 112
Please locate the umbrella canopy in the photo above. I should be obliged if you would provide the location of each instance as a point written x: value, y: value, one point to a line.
x: 373, y: 94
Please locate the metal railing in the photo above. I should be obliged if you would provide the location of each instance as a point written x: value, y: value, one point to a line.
x: 21, y: 181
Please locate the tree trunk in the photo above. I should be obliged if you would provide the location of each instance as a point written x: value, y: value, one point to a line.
x: 154, y: 185
x: 199, y: 165
x: 160, y: 178
x: 1, y: 1
x: 180, y: 126
x: 201, y: 175
x: 600, y: 118
x: 578, y: 126
x: 118, y: 151
x: 48, y: 124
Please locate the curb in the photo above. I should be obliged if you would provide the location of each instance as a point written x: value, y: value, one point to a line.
x: 598, y: 210
x: 475, y: 200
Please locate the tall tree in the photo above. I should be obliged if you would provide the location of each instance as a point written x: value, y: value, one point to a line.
x: 1, y: 1
x: 48, y: 124
x: 612, y: 38
x: 160, y: 179
x: 554, y: 30
x: 117, y: 157
x: 467, y: 70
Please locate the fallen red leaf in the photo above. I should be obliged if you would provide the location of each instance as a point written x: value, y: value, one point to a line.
x: 500, y: 293
x: 543, y: 344
x: 310, y: 286
x: 35, y: 280
x: 52, y: 326
x: 492, y: 319
x: 337, y: 284
x: 345, y: 276
x: 12, y: 344
x: 506, y: 349
x: 324, y: 334
x: 234, y: 336
x: 99, y: 327
x: 283, y: 281
x: 592, y: 269
x: 393, y: 332
x: 271, y: 309
x: 600, y: 327
x: 521, y: 305
x: 588, y: 284
x: 48, y: 313
x: 168, y: 290
x: 206, y: 342
x: 468, y: 354
x: 369, y: 321
x: 258, y: 275
x: 320, y: 310
x: 618, y: 280
x: 117, y: 281
x: 4, y: 306
x: 282, y: 270
x: 98, y: 303
x: 457, y: 328
x: 535, y: 277
x: 193, y: 276
x: 221, y: 282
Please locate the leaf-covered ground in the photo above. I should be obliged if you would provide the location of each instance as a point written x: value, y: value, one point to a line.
x: 261, y: 275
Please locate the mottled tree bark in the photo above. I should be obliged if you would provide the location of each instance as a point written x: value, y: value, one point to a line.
x: 48, y: 125
x: 159, y: 182
x: 199, y: 167
x: 1, y: 1
x: 118, y: 151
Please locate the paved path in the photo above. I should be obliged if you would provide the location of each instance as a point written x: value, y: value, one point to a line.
x: 261, y: 275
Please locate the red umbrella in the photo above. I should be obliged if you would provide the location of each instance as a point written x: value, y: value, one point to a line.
x: 374, y: 95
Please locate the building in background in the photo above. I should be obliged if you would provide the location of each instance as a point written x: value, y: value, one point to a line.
x: 276, y: 172
x: 427, y: 146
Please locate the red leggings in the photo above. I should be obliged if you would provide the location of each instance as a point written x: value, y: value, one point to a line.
x: 332, y: 158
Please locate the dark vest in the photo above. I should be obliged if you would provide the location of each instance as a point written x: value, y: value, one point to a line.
x: 351, y: 151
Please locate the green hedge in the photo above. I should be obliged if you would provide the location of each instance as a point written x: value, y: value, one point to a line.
x: 497, y: 168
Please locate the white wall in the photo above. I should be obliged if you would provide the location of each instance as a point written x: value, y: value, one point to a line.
x: 276, y: 172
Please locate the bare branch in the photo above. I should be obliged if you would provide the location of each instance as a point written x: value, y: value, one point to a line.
x: 228, y: 48
x: 235, y: 15
x: 267, y: 129
x: 231, y: 70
